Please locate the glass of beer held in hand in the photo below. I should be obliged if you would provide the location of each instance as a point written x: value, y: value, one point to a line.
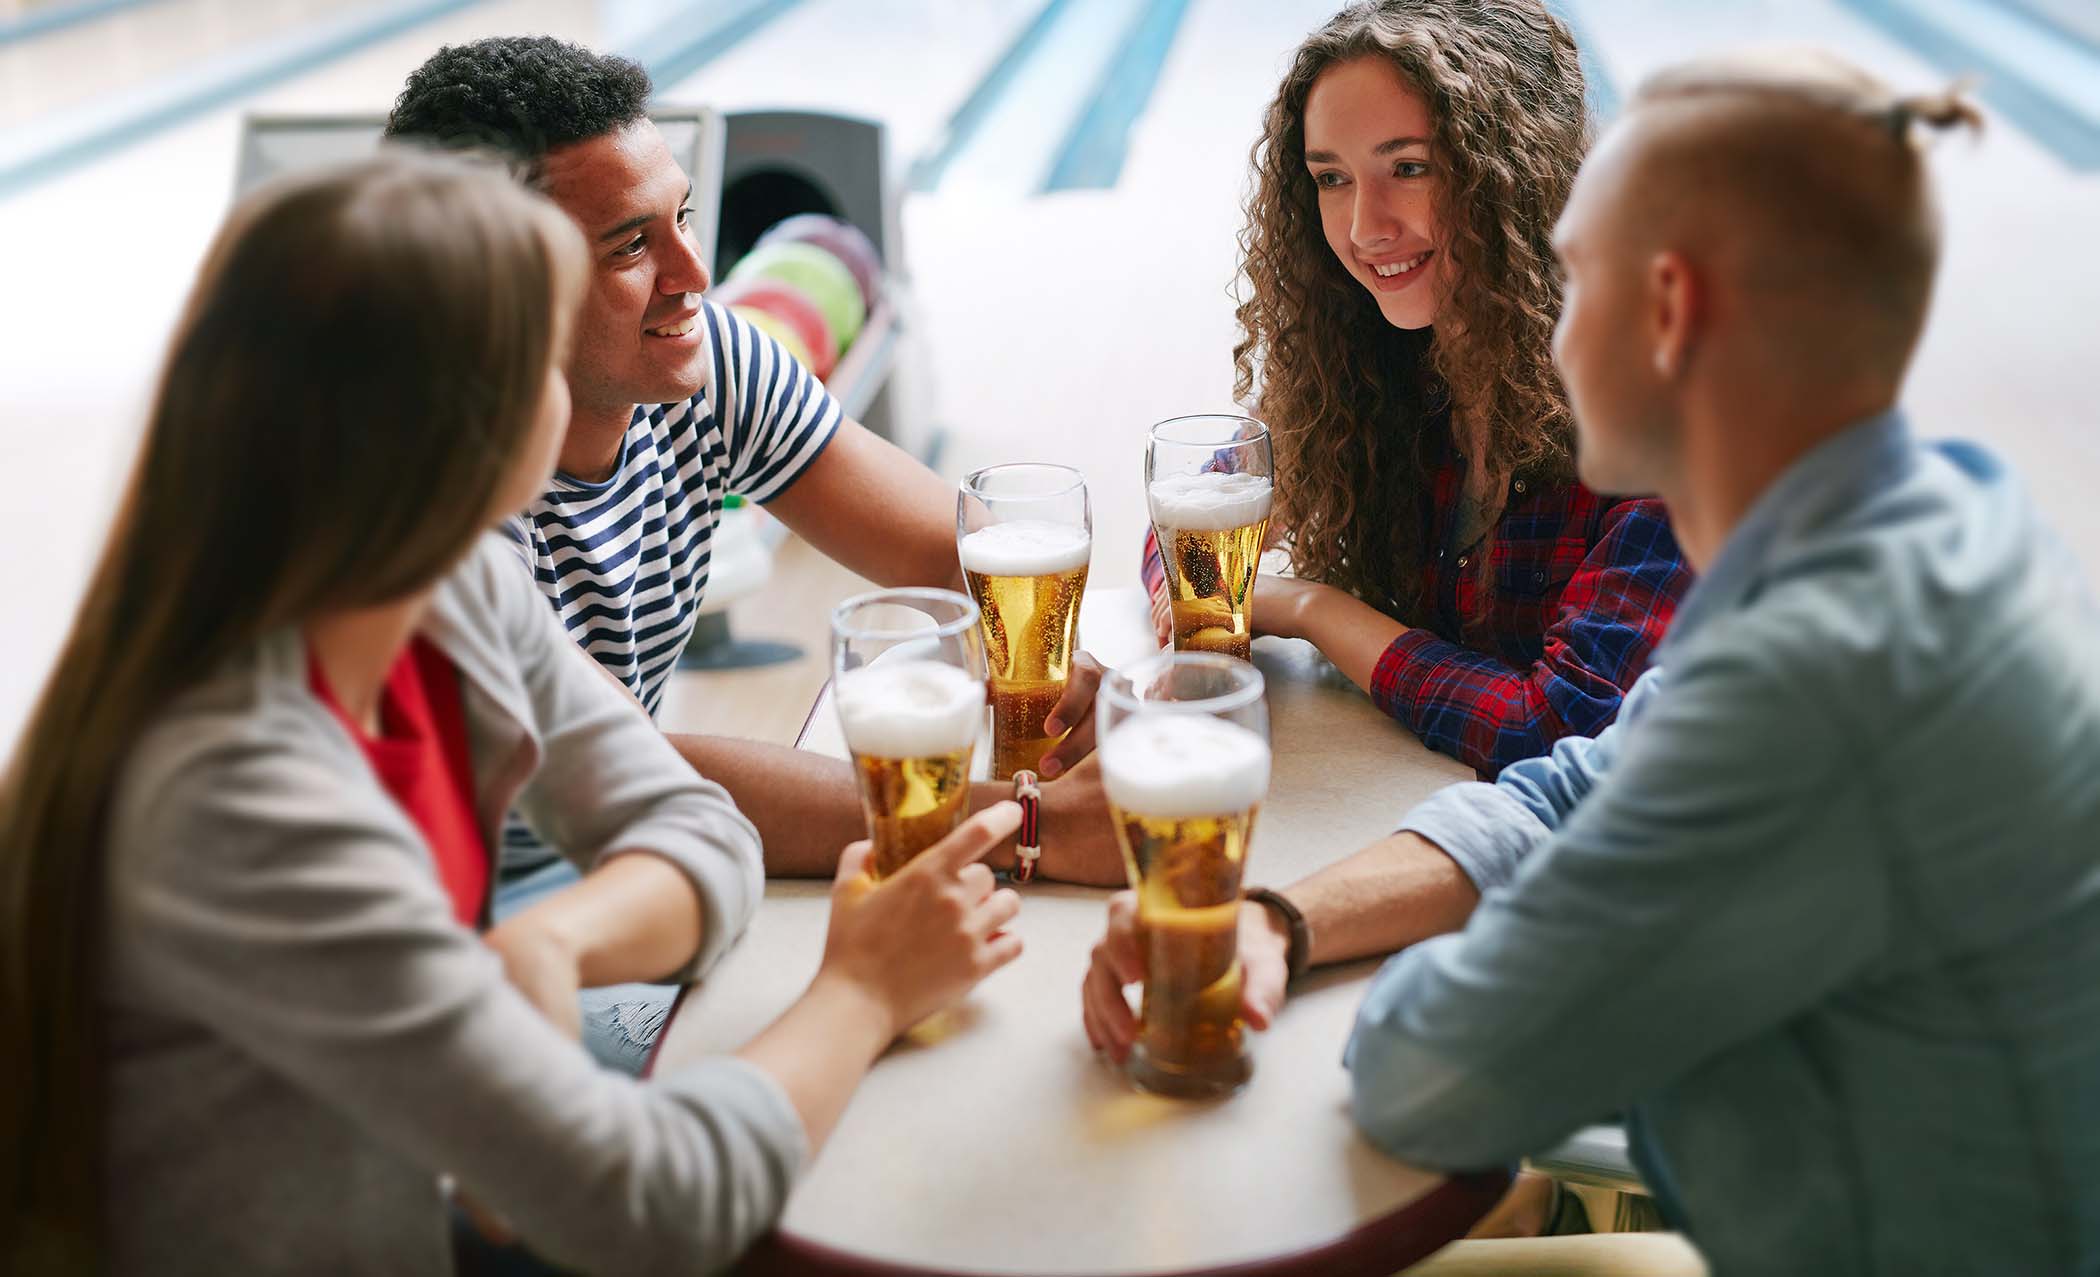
x: 1185, y: 760
x: 1025, y: 536
x: 908, y: 680
x: 1209, y: 483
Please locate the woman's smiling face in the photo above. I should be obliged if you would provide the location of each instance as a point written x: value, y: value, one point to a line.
x: 1369, y: 148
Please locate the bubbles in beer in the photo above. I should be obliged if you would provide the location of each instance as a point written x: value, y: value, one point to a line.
x: 1175, y: 766
x: 1211, y: 501
x: 909, y: 709
x: 1026, y: 547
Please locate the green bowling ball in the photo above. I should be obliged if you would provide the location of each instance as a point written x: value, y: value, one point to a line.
x: 818, y: 273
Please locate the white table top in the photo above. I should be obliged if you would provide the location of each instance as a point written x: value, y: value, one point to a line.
x: 995, y: 1141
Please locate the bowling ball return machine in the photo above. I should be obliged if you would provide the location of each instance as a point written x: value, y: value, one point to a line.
x: 817, y: 184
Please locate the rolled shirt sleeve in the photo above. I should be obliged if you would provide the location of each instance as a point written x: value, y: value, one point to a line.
x: 609, y: 783
x: 1489, y: 829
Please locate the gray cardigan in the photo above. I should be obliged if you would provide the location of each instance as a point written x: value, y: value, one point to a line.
x: 302, y: 1039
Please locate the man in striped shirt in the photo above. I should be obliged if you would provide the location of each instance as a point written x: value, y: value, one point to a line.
x: 676, y: 403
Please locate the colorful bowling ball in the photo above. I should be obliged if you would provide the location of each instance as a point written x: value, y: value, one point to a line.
x: 784, y: 301
x: 842, y: 240
x: 779, y: 330
x: 819, y: 274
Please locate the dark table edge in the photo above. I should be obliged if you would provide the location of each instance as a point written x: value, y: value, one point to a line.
x: 1375, y: 1248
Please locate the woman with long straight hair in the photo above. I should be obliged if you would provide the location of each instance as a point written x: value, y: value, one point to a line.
x: 244, y: 844
x: 1397, y: 319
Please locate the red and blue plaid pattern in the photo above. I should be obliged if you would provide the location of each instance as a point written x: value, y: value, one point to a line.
x: 1581, y: 590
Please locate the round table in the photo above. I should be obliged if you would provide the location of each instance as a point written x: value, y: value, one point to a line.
x: 993, y: 1140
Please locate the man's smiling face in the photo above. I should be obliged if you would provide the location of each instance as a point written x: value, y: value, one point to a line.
x: 639, y: 338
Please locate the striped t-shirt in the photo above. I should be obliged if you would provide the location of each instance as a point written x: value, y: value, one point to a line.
x: 625, y: 562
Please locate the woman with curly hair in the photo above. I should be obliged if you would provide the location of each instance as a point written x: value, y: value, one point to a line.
x: 1398, y: 315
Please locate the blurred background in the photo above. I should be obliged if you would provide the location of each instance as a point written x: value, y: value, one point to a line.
x: 1054, y: 188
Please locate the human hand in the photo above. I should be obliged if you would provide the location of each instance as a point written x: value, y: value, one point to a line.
x: 918, y: 941
x: 1073, y: 716
x: 542, y: 966
x: 1079, y: 834
x: 1118, y: 962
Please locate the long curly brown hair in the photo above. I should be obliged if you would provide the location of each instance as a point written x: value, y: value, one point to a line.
x: 1352, y: 402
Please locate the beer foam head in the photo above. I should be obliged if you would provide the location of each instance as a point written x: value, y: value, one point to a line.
x: 1175, y: 766
x: 1026, y: 547
x: 909, y: 709
x: 1210, y: 502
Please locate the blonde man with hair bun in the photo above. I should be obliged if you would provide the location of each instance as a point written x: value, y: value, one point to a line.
x: 1821, y: 911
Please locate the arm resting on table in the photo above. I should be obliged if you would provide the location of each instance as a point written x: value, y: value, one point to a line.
x: 1723, y: 880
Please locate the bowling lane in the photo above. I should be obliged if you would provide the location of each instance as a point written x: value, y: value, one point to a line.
x: 96, y: 60
x: 909, y: 66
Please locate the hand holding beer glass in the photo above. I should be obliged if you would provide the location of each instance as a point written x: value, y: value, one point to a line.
x: 1209, y: 482
x: 908, y: 679
x: 1185, y: 759
x: 1025, y: 536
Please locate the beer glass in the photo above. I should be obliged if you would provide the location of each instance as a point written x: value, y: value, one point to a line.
x: 1185, y: 761
x: 1208, y: 481
x: 1025, y: 536
x: 907, y: 670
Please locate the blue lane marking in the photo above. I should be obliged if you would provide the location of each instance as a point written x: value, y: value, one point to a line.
x: 59, y: 17
x: 932, y: 164
x: 1603, y: 94
x: 1093, y: 152
x: 2059, y: 116
x: 698, y: 35
x: 46, y: 151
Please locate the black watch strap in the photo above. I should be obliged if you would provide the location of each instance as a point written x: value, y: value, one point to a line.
x: 1297, y: 955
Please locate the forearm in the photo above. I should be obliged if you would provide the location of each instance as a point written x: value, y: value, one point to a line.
x: 635, y: 917
x: 819, y: 1049
x: 1383, y: 898
x: 805, y: 805
x: 1349, y: 632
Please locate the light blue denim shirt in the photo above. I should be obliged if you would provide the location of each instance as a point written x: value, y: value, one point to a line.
x: 1820, y: 912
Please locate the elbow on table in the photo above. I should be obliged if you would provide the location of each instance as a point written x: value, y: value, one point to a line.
x: 1410, y: 1113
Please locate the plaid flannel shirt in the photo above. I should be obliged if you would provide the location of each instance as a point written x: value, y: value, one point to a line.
x: 1583, y: 588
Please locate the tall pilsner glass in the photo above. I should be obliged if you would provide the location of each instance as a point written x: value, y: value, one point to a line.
x: 1209, y: 483
x: 1025, y: 534
x: 908, y: 678
x: 1185, y: 760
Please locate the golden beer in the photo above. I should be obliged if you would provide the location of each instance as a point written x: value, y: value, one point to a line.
x: 1210, y: 528
x: 911, y: 803
x: 1026, y: 577
x: 911, y: 727
x: 1184, y: 791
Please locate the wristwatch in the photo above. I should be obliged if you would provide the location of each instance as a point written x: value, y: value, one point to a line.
x: 1299, y: 951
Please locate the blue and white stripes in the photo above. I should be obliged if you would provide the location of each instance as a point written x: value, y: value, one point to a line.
x: 625, y: 562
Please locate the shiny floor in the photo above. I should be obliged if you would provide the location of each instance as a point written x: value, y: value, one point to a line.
x: 1049, y: 327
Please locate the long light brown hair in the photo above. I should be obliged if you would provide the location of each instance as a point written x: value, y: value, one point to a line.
x: 348, y: 389
x: 1348, y: 397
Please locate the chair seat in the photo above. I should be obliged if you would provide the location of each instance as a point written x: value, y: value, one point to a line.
x: 1595, y: 1155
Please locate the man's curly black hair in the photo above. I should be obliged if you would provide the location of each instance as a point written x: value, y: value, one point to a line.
x: 520, y: 96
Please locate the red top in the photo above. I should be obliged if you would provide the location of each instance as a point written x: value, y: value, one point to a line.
x: 421, y: 757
